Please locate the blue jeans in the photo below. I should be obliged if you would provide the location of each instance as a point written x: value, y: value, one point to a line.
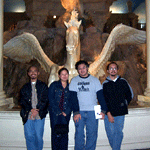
x: 33, y: 130
x: 87, y: 120
x: 114, y: 131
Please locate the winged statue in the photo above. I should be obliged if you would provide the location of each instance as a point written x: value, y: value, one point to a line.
x: 25, y: 47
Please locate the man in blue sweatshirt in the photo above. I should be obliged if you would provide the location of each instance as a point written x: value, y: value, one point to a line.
x: 87, y: 90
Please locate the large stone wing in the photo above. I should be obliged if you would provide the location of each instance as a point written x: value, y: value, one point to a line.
x: 121, y: 34
x: 24, y: 48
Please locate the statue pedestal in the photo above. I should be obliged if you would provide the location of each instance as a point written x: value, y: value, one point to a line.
x: 136, y: 131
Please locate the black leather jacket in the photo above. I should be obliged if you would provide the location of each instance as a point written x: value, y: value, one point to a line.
x: 25, y: 100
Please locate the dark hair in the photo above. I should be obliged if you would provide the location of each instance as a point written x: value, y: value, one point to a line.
x: 31, y: 67
x: 62, y: 69
x: 112, y: 63
x: 81, y: 62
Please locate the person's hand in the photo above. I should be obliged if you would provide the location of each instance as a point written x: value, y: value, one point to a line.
x: 76, y: 118
x: 64, y: 114
x: 34, y: 112
x: 110, y: 117
x: 103, y: 115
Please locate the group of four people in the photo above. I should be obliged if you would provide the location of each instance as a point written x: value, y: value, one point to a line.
x: 80, y: 96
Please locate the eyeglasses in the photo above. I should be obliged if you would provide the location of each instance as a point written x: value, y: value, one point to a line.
x: 113, y: 69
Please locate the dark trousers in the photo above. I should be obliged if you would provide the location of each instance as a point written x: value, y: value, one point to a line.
x: 59, y: 142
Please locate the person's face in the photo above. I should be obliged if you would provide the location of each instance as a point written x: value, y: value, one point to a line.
x: 64, y: 76
x: 112, y: 70
x: 33, y: 73
x: 83, y: 70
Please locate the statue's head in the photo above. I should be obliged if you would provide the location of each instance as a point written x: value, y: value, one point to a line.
x: 72, y: 39
x: 72, y: 33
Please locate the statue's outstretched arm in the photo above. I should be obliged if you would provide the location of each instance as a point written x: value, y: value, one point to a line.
x: 24, y: 48
x: 121, y: 34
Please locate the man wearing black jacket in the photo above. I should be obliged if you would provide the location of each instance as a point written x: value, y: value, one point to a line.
x: 118, y: 94
x: 34, y: 102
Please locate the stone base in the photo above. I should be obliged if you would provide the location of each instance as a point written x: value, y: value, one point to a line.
x: 136, y: 131
x: 143, y: 101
